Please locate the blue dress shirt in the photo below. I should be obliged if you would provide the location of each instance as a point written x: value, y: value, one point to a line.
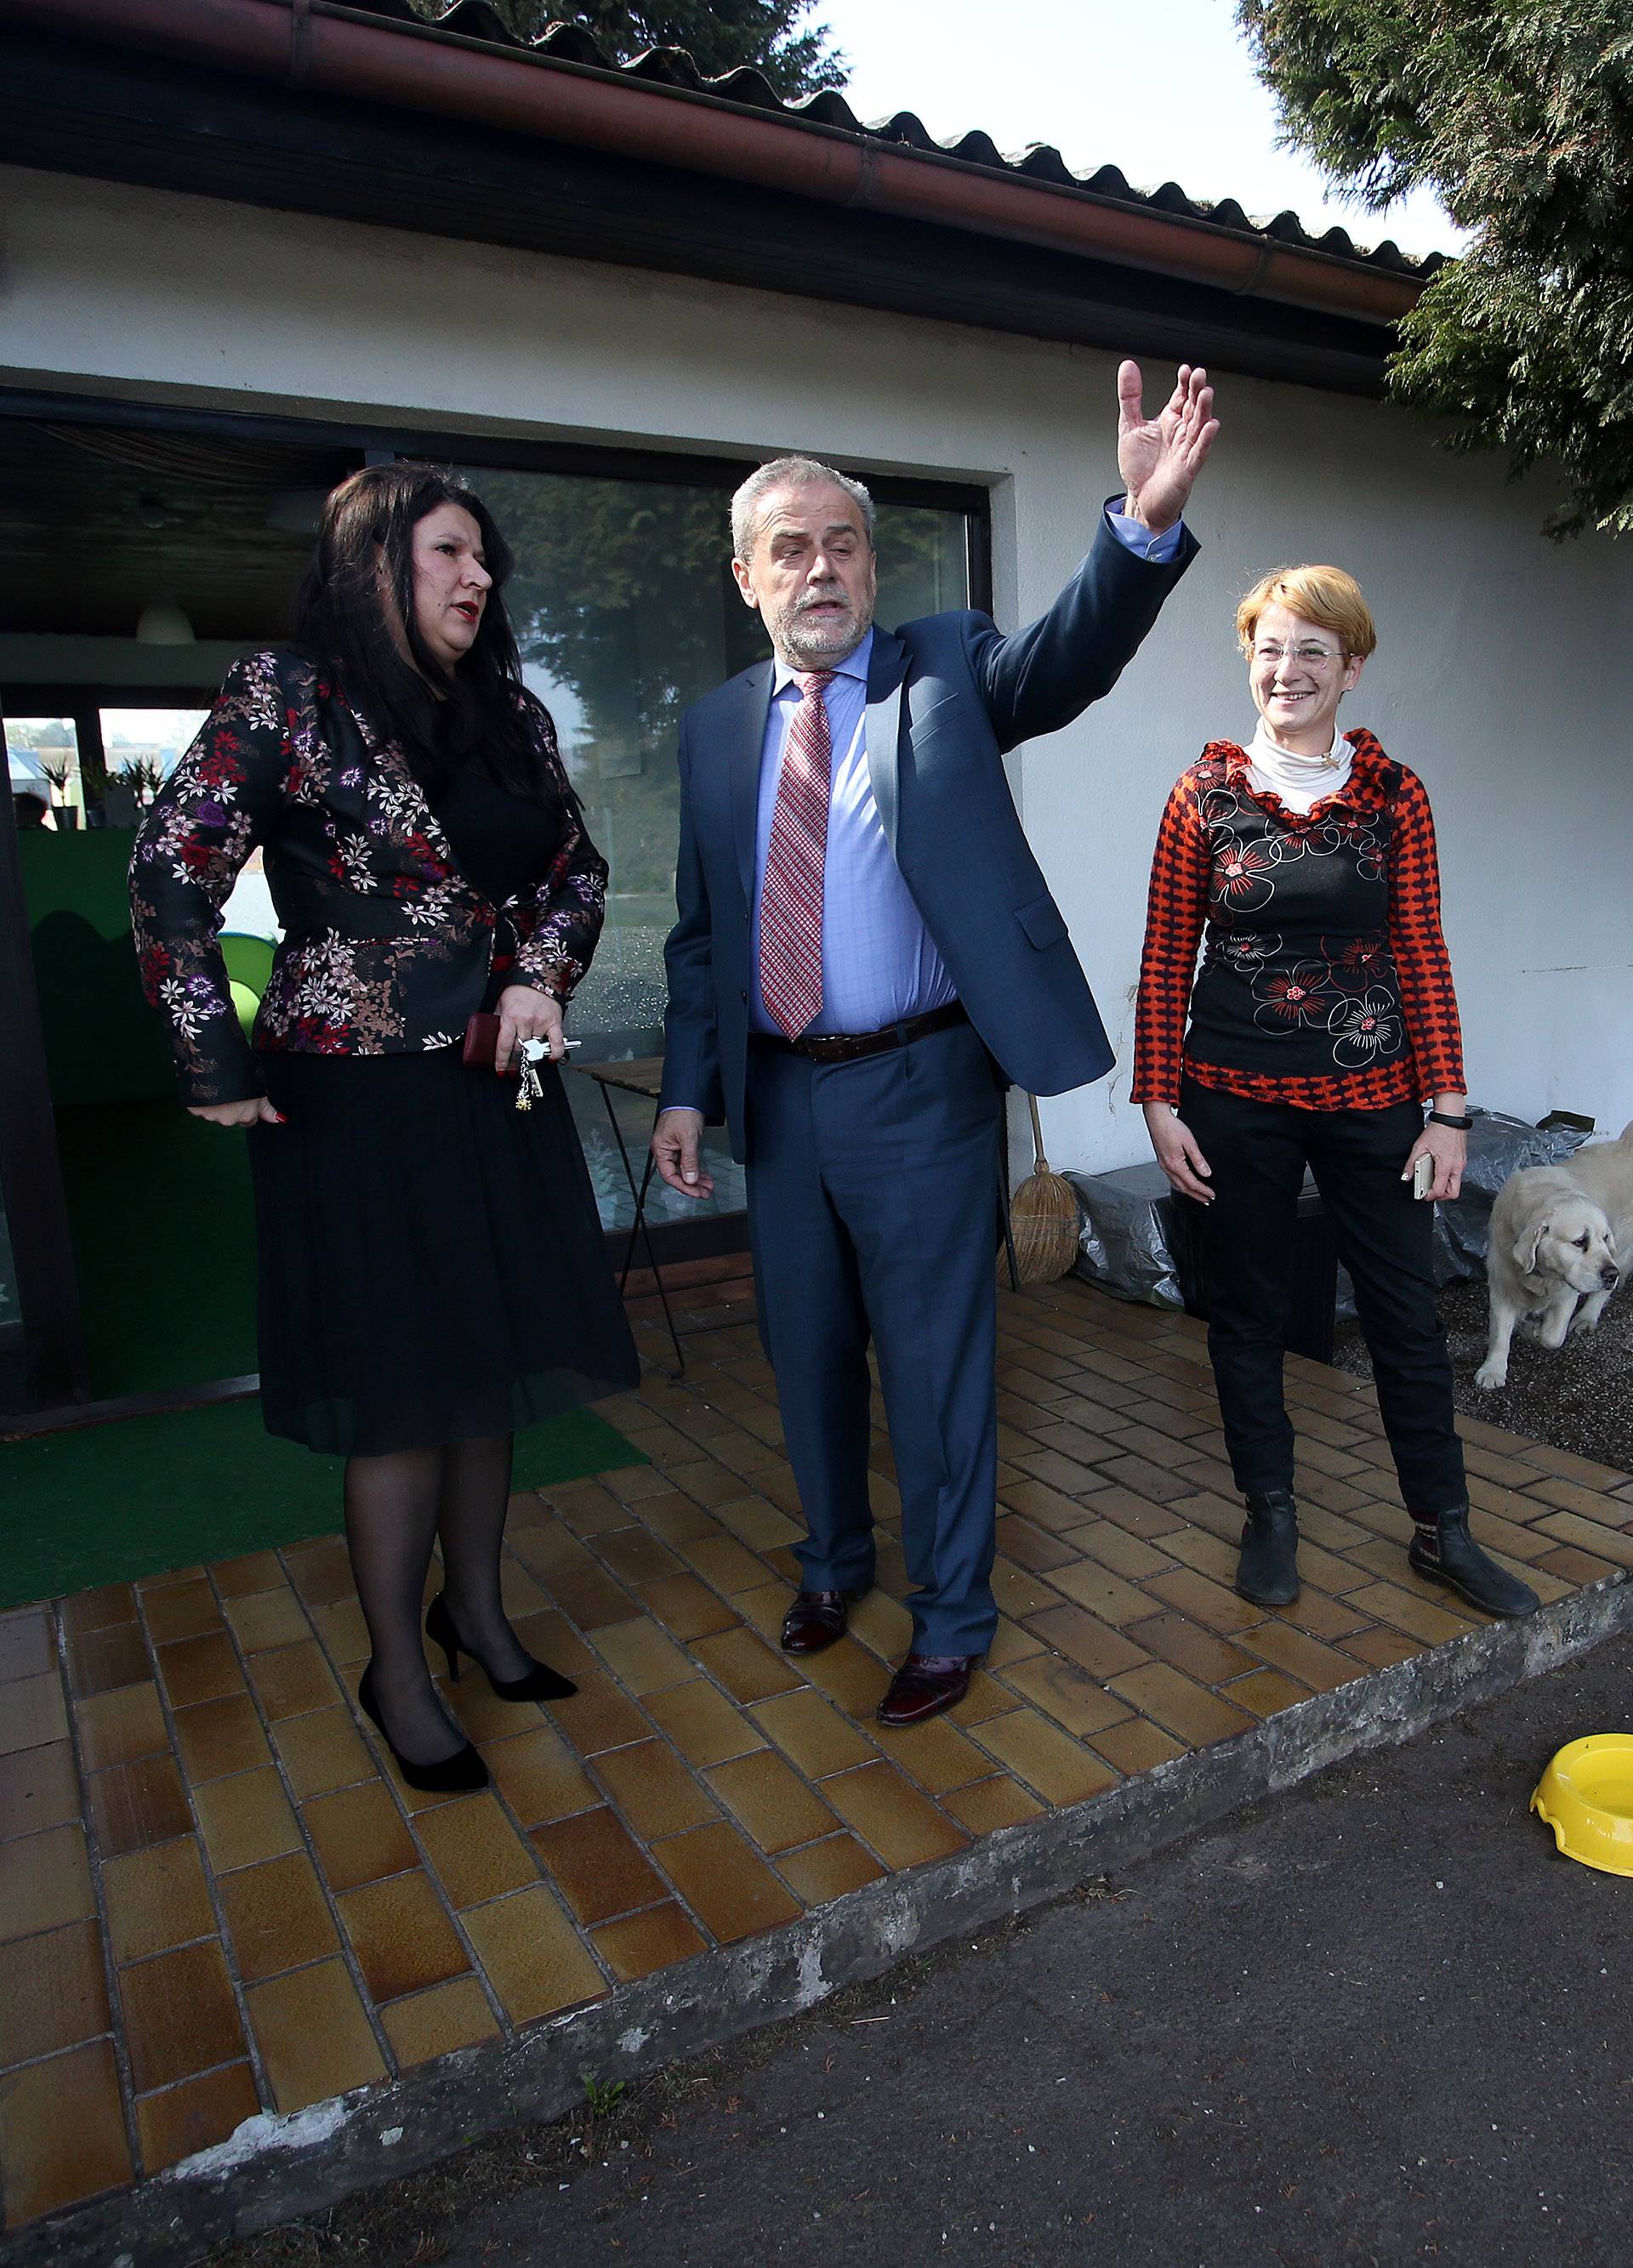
x: 879, y: 963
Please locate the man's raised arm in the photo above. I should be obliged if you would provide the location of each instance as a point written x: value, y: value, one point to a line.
x: 1047, y: 674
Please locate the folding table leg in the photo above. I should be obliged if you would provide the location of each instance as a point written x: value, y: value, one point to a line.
x: 639, y: 1232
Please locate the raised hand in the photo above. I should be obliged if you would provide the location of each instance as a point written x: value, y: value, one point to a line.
x: 1160, y: 457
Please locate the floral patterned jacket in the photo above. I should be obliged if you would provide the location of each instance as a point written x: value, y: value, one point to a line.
x: 387, y: 948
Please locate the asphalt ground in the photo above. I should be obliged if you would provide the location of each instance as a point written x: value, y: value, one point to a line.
x: 1374, y: 2019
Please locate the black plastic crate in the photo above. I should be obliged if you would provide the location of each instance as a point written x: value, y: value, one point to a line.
x: 1120, y: 1219
x: 1313, y: 1310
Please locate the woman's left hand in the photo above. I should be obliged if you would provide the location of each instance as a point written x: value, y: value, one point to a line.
x: 525, y: 1014
x: 1448, y: 1146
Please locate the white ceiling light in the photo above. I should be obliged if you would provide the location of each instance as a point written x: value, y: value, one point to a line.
x: 162, y: 622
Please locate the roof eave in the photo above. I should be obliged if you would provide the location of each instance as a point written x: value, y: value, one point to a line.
x: 328, y: 47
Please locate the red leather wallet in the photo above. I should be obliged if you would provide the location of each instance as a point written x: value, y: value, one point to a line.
x: 482, y: 1039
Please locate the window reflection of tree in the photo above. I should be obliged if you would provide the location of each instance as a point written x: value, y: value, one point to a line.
x: 623, y: 596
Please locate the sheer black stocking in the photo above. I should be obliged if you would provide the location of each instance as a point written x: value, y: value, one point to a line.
x: 396, y: 1507
x: 392, y: 1507
x: 471, y: 1520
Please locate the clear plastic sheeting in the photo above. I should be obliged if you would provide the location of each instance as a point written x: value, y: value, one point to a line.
x: 1128, y: 1239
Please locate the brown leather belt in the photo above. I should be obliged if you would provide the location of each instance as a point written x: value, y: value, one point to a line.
x: 850, y: 1047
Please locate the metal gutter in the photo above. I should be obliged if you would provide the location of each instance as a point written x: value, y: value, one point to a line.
x: 324, y: 48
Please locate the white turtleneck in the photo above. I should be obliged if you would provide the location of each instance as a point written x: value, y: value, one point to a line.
x: 1299, y: 781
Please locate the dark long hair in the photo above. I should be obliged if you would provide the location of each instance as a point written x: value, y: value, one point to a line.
x: 480, y: 713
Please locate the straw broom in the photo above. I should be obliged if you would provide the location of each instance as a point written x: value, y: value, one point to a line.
x: 1042, y: 1217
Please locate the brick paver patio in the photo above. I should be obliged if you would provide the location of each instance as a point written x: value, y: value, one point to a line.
x: 217, y: 1898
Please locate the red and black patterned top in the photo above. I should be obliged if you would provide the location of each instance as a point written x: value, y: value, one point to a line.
x: 1326, y: 981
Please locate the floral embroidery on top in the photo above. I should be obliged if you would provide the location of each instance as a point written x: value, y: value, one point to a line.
x: 1352, y: 961
x: 1291, y: 996
x: 1247, y: 950
x: 1364, y: 1030
x: 1243, y: 874
x: 388, y: 945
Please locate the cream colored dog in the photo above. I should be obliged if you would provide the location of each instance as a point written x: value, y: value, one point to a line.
x: 1559, y: 1234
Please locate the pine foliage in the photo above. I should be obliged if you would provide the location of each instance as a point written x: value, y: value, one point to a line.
x: 1519, y: 115
x: 719, y: 35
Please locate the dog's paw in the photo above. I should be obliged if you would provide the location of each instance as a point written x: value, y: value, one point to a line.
x: 1490, y: 1376
x: 1582, y: 1325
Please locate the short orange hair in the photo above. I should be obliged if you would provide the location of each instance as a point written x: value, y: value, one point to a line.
x: 1323, y: 595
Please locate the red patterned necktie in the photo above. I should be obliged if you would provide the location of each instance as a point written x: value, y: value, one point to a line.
x: 791, y: 893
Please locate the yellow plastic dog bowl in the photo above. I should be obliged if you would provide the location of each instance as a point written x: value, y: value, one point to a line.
x: 1586, y: 1797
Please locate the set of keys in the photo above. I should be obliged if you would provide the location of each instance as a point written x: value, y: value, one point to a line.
x: 531, y: 1055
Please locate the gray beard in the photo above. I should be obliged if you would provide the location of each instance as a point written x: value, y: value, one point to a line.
x: 794, y: 654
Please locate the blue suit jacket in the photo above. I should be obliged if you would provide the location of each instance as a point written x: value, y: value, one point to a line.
x: 947, y: 698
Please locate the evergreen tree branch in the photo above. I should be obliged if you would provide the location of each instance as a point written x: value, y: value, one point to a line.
x: 1519, y: 115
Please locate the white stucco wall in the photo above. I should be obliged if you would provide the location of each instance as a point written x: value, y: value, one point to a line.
x: 1504, y: 676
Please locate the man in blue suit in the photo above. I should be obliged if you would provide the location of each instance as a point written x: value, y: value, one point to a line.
x: 865, y: 954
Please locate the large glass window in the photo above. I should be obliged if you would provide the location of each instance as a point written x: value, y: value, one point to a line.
x: 626, y: 611
x: 142, y: 747
x: 43, y: 757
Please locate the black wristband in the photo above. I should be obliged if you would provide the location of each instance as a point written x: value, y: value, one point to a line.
x: 1442, y: 1118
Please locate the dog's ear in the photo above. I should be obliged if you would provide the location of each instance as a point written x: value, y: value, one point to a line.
x: 1526, y: 1250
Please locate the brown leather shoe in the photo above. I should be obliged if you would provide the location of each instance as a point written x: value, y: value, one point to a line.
x: 925, y: 1685
x: 816, y: 1619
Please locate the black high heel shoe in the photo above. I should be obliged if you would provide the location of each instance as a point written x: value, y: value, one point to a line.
x: 540, y: 1682
x: 451, y: 1775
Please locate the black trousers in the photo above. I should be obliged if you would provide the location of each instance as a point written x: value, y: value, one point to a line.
x: 1258, y: 1152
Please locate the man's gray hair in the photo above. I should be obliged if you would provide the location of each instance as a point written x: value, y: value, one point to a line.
x: 789, y: 472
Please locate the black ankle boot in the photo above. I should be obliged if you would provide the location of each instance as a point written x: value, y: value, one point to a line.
x: 1443, y: 1549
x: 1267, y: 1570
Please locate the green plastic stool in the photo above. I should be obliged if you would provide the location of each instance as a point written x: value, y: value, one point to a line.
x: 249, y: 967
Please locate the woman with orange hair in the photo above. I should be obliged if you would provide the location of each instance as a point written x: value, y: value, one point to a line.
x: 1322, y: 1019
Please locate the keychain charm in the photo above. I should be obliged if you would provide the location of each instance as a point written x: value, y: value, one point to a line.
x: 531, y: 1054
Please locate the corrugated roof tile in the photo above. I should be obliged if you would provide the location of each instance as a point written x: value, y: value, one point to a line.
x: 748, y: 89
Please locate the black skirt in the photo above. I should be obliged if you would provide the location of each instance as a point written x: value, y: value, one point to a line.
x: 431, y: 1267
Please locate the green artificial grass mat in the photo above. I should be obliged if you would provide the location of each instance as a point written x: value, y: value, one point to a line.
x: 101, y: 1504
x: 163, y: 1224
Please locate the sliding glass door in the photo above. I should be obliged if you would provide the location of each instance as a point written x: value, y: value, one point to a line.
x: 146, y: 548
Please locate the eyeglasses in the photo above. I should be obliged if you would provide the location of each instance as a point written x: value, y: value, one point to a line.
x: 1308, y: 656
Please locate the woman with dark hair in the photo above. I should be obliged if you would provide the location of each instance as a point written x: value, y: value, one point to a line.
x: 431, y: 1273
